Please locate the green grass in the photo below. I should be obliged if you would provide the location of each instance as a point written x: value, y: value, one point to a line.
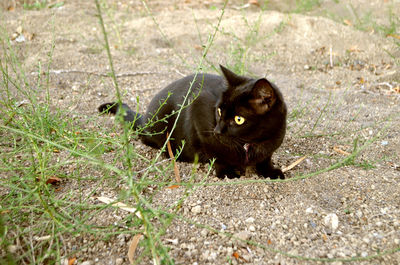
x: 41, y: 141
x: 40, y: 4
x: 303, y: 6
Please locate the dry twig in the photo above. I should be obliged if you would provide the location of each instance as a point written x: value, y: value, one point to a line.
x: 294, y: 164
x: 171, y: 155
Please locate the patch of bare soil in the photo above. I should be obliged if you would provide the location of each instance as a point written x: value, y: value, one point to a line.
x: 341, y: 86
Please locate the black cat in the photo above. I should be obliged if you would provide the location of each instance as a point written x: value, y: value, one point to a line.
x: 237, y: 120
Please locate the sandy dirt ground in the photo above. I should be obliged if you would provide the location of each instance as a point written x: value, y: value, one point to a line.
x: 341, y: 85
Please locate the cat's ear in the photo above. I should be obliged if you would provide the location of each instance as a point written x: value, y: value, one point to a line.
x: 232, y: 78
x: 263, y: 96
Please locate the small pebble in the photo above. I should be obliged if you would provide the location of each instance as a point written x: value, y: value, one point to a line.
x: 331, y: 221
x: 173, y: 241
x: 243, y: 235
x: 204, y: 232
x: 12, y: 249
x: 359, y: 214
x: 196, y: 209
x: 250, y: 220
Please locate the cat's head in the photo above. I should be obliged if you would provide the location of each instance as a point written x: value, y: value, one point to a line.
x: 249, y: 110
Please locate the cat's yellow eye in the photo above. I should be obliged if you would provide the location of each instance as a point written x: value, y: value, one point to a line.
x: 239, y: 120
x: 219, y: 111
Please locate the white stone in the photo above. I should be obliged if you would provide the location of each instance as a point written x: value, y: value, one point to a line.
x: 172, y: 241
x: 243, y: 235
x: 250, y: 220
x: 359, y: 213
x: 309, y: 210
x: 332, y: 221
x: 212, y: 256
x: 196, y: 209
x: 252, y: 228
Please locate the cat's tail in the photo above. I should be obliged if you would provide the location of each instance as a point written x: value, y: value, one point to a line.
x: 129, y: 114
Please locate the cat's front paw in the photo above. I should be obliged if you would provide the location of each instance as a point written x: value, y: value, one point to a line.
x: 223, y: 171
x: 270, y: 172
x: 276, y: 173
x: 228, y: 175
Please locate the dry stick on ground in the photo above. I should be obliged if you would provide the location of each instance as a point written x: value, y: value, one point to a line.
x: 171, y: 155
x: 340, y: 151
x: 132, y: 247
x: 294, y: 164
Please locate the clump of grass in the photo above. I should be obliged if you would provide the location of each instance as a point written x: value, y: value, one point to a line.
x: 41, y: 144
x: 303, y: 6
x: 39, y: 4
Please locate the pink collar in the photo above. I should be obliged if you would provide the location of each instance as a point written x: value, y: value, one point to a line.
x: 246, y: 148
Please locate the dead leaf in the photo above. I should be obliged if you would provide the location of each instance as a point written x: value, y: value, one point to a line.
x: 28, y: 35
x: 238, y: 257
x: 269, y: 242
x: 14, y: 36
x: 171, y: 155
x: 120, y: 205
x: 19, y: 30
x: 71, y: 261
x: 172, y: 187
x: 324, y: 237
x: 354, y: 48
x: 254, y: 2
x: 347, y: 22
x: 198, y: 47
x: 132, y: 247
x: 340, y: 151
x: 394, y: 36
x: 53, y: 180
x: 294, y: 164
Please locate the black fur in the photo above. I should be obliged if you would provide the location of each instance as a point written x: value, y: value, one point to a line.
x: 210, y: 135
